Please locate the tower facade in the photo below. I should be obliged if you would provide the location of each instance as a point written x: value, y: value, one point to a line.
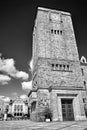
x: 57, y: 78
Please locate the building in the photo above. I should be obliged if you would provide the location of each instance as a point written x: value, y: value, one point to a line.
x: 1, y: 106
x: 18, y: 108
x: 57, y: 77
x: 83, y: 64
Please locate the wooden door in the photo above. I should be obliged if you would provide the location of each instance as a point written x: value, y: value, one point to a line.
x: 67, y: 110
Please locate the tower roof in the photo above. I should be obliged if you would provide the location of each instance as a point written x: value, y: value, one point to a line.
x: 54, y: 11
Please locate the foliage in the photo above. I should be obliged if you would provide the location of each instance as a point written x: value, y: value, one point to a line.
x: 48, y: 113
x: 45, y: 114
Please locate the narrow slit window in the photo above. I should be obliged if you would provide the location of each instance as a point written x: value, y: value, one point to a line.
x: 67, y: 67
x: 60, y: 67
x: 84, y: 83
x: 52, y: 65
x: 55, y: 31
x: 64, y: 67
x: 82, y: 72
x: 51, y: 30
x: 83, y: 100
x: 56, y: 65
x: 61, y: 32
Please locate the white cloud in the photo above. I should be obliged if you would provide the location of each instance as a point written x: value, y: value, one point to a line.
x: 8, y: 66
x: 6, y: 99
x: 27, y: 85
x: 31, y: 65
x: 4, y: 79
x: 24, y: 97
x: 21, y: 74
x: 1, y: 97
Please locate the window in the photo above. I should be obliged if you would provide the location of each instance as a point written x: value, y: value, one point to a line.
x: 82, y: 71
x: 33, y: 106
x: 20, y: 114
x: 21, y: 108
x: 64, y: 67
x: 51, y: 30
x: 14, y: 107
x: 18, y: 107
x: 60, y: 67
x: 84, y: 83
x: 52, y: 65
x: 17, y: 114
x: 56, y: 65
x: 55, y: 31
x: 67, y: 67
x: 83, y: 61
x: 14, y: 114
x: 83, y: 100
x: 61, y: 32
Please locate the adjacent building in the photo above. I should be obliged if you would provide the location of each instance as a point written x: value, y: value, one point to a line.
x: 58, y: 77
x: 18, y: 107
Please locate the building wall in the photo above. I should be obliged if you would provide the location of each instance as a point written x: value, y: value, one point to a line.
x: 56, y: 61
x: 78, y: 106
x: 19, y: 102
x: 50, y: 45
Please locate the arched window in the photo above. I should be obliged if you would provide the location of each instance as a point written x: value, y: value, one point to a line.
x: 61, y: 32
x: 63, y: 67
x: 55, y: 31
x: 68, y: 67
x: 84, y: 83
x: 33, y: 106
x: 52, y: 65
x: 56, y: 65
x: 60, y: 67
x: 51, y: 30
x: 82, y: 71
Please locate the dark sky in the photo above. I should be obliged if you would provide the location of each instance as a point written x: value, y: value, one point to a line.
x: 16, y: 25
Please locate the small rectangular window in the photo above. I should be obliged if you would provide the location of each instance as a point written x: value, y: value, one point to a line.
x: 61, y: 32
x: 55, y: 31
x: 51, y: 30
x: 82, y: 71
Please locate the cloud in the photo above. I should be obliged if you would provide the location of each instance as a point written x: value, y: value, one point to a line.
x: 21, y: 74
x: 6, y: 99
x: 31, y: 65
x: 7, y: 66
x: 1, y: 97
x: 4, y: 79
x: 24, y: 97
x: 27, y: 85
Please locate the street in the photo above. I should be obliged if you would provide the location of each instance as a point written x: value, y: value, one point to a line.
x: 29, y: 125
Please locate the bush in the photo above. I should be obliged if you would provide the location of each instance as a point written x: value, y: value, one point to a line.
x: 48, y: 114
x: 45, y: 114
x: 40, y: 117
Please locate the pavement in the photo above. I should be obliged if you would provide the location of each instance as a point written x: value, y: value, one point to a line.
x: 29, y: 125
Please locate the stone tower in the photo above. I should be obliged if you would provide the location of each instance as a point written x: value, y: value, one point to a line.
x: 57, y: 79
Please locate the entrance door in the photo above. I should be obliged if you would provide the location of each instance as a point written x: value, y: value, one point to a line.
x: 67, y: 110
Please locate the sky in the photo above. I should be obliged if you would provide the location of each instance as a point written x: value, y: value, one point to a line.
x: 16, y: 27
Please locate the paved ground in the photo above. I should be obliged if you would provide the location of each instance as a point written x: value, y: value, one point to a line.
x: 29, y: 125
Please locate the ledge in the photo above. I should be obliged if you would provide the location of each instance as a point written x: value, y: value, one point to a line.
x: 53, y: 11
